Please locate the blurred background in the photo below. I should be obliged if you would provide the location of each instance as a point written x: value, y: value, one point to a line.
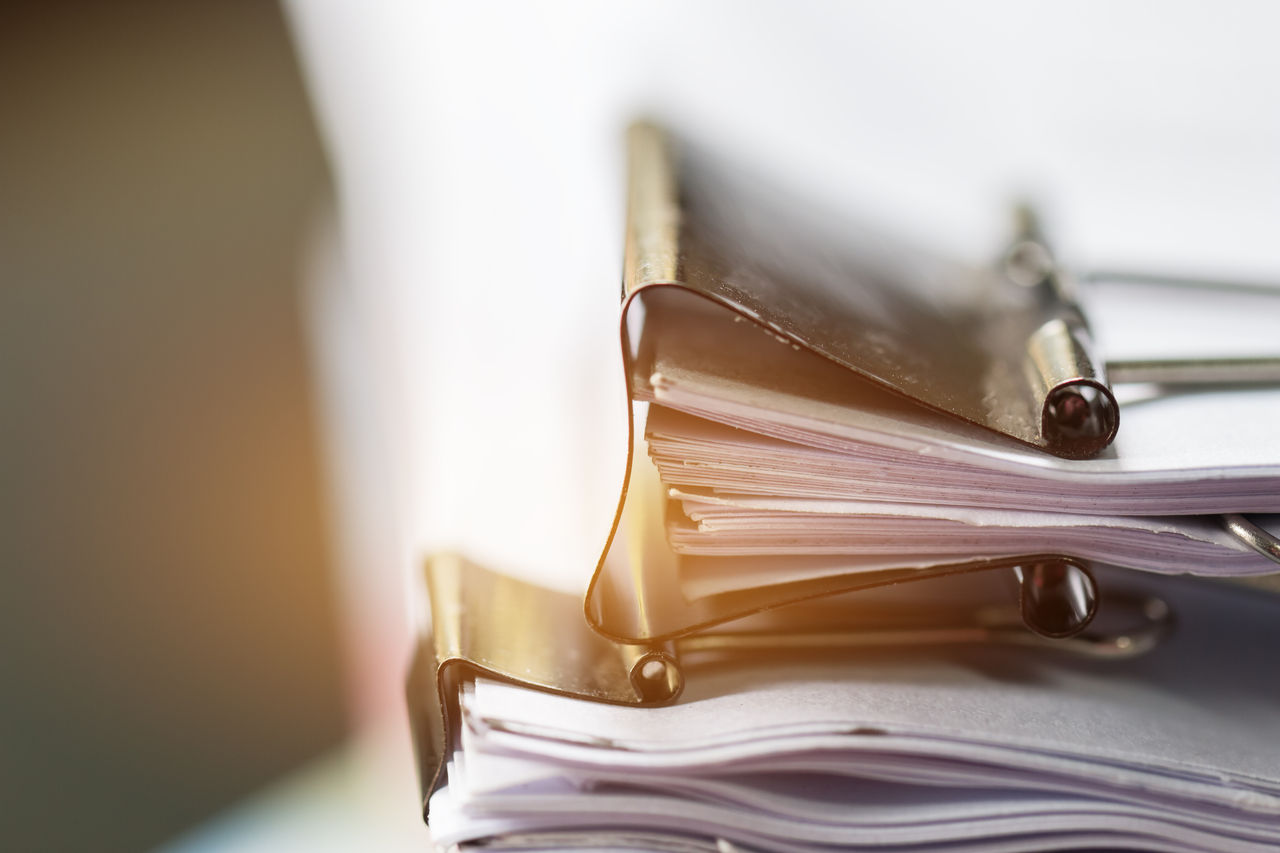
x: 292, y: 295
x: 170, y: 632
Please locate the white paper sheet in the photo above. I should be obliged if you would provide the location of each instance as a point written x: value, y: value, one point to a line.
x: 788, y: 422
x: 790, y: 539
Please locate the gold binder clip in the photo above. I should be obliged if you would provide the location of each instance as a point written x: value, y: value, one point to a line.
x: 484, y: 624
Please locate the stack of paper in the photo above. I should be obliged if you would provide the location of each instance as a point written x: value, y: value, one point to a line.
x: 840, y: 449
x: 947, y: 748
x: 774, y: 453
x: 781, y: 468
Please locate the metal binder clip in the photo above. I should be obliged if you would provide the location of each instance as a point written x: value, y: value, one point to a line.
x: 1008, y: 349
x: 1078, y: 411
x: 484, y: 624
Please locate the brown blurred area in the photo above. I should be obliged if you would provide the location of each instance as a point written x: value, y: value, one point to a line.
x: 166, y: 606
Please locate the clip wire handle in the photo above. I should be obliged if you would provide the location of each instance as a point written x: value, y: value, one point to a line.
x: 1227, y: 370
x: 1252, y: 535
x: 1251, y: 370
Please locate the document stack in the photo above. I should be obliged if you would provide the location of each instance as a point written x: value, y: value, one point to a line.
x: 911, y: 555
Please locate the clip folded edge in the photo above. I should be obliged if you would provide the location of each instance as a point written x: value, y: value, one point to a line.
x: 488, y: 624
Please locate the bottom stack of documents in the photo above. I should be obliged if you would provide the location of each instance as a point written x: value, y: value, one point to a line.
x: 961, y: 746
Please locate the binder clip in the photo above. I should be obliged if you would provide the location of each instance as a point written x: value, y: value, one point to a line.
x: 1007, y: 348
x: 485, y: 624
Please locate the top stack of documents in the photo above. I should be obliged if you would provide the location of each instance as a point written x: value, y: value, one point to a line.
x: 891, y: 565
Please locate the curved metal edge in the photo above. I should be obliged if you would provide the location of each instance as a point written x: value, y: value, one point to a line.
x: 1103, y: 408
x: 1058, y: 599
x: 427, y: 726
x: 432, y: 689
x: 655, y: 674
x: 1062, y: 369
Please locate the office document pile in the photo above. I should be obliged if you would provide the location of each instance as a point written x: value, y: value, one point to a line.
x: 855, y: 488
x: 965, y: 748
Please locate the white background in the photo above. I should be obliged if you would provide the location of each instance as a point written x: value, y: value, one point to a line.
x: 469, y: 346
